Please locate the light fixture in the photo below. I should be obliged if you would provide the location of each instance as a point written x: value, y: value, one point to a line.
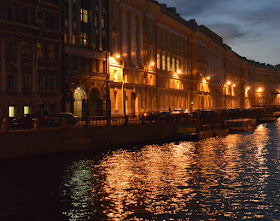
x: 179, y: 71
x: 260, y: 90
x: 233, y: 85
x: 118, y: 56
x: 78, y: 88
x: 208, y: 78
x: 152, y: 63
x: 248, y: 88
x: 228, y: 83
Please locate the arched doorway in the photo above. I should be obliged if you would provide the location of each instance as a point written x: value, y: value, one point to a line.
x: 79, y: 102
x: 95, y: 103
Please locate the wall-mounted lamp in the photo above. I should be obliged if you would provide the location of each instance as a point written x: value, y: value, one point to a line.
x: 228, y: 83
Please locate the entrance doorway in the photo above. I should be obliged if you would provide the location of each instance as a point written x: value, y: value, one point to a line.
x: 95, y: 103
x: 79, y: 102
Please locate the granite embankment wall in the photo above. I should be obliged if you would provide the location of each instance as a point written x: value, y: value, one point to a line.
x: 33, y: 143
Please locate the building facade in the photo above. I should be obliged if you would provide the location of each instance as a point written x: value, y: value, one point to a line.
x: 85, y: 57
x: 159, y: 61
x: 30, y: 54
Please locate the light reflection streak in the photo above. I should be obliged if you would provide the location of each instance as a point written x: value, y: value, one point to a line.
x: 219, y: 177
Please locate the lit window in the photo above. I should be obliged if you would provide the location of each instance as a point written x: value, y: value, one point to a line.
x: 158, y: 61
x: 173, y: 64
x: 26, y: 110
x: 65, y: 38
x: 84, y: 39
x: 11, y: 111
x: 163, y: 62
x: 84, y: 15
x: 177, y: 64
x: 168, y: 63
x: 73, y: 39
x: 102, y: 22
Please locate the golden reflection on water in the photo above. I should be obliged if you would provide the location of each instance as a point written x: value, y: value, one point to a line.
x: 217, y: 178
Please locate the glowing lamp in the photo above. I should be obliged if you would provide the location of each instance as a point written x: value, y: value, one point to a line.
x: 208, y: 78
x: 228, y: 83
x: 152, y: 63
x: 179, y: 71
x: 118, y: 56
x: 233, y: 85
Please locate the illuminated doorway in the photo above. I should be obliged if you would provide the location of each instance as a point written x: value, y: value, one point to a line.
x: 79, y: 102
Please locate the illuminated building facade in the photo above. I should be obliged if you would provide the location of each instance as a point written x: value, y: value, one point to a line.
x: 85, y: 69
x: 30, y: 54
x: 160, y: 61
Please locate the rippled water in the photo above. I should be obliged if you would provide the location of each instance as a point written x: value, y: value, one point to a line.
x: 231, y: 178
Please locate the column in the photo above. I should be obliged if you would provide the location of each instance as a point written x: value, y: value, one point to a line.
x: 3, y: 68
x: 124, y: 34
x: 141, y: 45
x: 133, y: 39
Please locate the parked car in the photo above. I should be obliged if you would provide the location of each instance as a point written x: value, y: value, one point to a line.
x: 70, y: 119
x: 26, y: 121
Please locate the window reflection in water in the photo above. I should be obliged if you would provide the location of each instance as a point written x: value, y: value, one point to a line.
x: 218, y: 178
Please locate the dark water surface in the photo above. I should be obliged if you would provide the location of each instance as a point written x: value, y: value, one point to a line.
x: 231, y: 178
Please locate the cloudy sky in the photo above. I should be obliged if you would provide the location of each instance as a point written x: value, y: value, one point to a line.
x: 250, y: 27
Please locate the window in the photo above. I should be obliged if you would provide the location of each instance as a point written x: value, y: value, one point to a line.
x: 51, y: 52
x: 158, y: 60
x: 52, y: 81
x: 10, y: 47
x: 25, y: 49
x: 177, y: 65
x: 25, y: 15
x: 11, y: 80
x: 163, y: 62
x: 84, y: 40
x: 12, y: 111
x: 73, y: 39
x: 39, y: 50
x: 65, y: 38
x: 173, y: 64
x: 27, y: 80
x: 103, y: 22
x: 26, y: 109
x: 10, y: 13
x: 168, y: 63
x: 84, y: 15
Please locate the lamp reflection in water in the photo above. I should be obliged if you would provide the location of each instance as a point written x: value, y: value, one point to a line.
x: 211, y: 178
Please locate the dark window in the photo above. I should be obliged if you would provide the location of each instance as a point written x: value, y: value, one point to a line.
x: 11, y: 80
x: 26, y: 79
x: 52, y: 81
x: 10, y: 47
x: 25, y: 49
x: 10, y: 13
x: 25, y: 15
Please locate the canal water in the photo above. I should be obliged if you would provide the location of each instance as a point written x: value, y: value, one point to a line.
x: 230, y: 178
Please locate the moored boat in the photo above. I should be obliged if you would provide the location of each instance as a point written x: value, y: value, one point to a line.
x: 240, y: 124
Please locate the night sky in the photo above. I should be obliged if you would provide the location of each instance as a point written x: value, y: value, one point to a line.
x: 250, y: 27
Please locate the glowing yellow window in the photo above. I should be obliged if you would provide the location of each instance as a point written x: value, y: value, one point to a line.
x: 11, y: 111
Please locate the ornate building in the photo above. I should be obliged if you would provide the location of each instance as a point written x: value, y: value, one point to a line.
x: 30, y: 54
x: 85, y: 68
x: 159, y: 61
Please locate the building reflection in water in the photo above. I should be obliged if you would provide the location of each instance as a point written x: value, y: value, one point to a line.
x: 218, y: 178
